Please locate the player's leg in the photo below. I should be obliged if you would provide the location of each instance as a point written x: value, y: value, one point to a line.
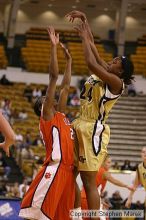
x: 76, y: 172
x: 89, y: 182
x: 66, y: 203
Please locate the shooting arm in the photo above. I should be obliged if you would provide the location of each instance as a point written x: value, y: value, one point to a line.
x: 65, y: 85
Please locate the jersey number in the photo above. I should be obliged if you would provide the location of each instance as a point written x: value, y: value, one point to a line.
x: 89, y: 93
x: 71, y: 134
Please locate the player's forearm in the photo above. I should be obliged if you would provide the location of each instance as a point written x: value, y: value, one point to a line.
x: 89, y: 32
x: 119, y: 183
x: 67, y: 75
x: 54, y: 62
x: 89, y: 56
x: 6, y: 130
x: 97, y: 56
x: 95, y: 52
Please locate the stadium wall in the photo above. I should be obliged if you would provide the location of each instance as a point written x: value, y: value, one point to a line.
x: 101, y: 22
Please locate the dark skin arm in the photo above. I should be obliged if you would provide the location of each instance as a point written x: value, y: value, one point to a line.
x: 65, y: 85
x: 110, y: 79
x: 48, y: 104
x: 80, y: 15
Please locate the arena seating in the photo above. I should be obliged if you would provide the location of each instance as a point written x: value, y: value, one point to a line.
x: 139, y: 60
x: 128, y: 125
x: 142, y: 40
x: 36, y: 53
x: 3, y: 58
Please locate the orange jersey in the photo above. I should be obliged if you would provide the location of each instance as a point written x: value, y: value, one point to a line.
x: 51, y: 194
x: 57, y: 136
x: 100, y: 181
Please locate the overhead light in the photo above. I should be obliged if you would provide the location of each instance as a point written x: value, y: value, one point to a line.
x: 74, y: 6
x: 50, y: 5
x: 77, y: 1
x: 105, y: 9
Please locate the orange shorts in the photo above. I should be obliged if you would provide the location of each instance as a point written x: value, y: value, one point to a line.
x: 51, y: 194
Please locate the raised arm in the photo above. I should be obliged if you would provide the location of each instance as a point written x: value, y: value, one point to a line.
x: 65, y: 85
x: 112, y: 80
x: 48, y: 104
x: 8, y: 134
x: 80, y: 15
x: 135, y: 185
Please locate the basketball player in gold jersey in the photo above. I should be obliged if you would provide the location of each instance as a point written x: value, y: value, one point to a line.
x: 99, y: 94
x: 140, y: 178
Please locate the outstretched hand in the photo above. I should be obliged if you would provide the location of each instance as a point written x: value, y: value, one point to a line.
x: 76, y: 14
x: 66, y: 52
x: 54, y: 38
x: 82, y: 30
x: 131, y: 188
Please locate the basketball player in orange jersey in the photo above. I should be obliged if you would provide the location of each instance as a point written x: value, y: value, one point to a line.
x: 100, y: 93
x: 8, y: 133
x: 51, y: 194
x: 102, y: 177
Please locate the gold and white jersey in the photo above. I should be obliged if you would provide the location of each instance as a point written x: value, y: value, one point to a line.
x: 142, y: 174
x: 96, y: 100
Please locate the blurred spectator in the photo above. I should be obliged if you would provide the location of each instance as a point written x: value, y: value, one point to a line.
x: 116, y: 166
x: 23, y: 187
x: 126, y: 165
x: 116, y: 200
x: 4, y: 165
x: 28, y: 93
x: 27, y: 139
x: 36, y: 93
x: 138, y: 205
x: 73, y: 99
x: 5, y: 81
x: 19, y: 136
x: 37, y: 141
x: 27, y: 153
x: 23, y: 114
x: 6, y: 108
x: 6, y: 103
x: 15, y: 190
x: 3, y: 189
x: 44, y: 91
x: 14, y: 115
